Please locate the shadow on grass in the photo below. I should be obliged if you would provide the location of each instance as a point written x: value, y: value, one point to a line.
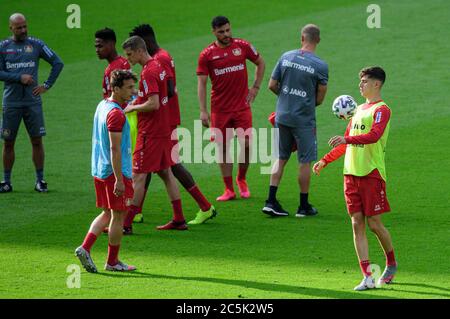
x: 442, y: 294
x: 301, y: 291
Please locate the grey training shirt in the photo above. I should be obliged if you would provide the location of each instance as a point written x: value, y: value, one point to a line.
x: 298, y: 73
x: 22, y: 57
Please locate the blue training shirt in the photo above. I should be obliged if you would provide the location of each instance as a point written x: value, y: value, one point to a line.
x: 298, y: 73
x: 101, y: 145
x: 22, y: 57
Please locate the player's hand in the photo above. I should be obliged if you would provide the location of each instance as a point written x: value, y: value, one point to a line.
x: 318, y: 167
x: 204, y: 117
x: 26, y: 79
x: 252, y: 93
x: 119, y: 188
x: 129, y: 108
x: 336, y: 140
x: 38, y: 90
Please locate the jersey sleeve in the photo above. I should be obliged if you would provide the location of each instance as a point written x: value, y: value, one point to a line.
x: 52, y: 58
x: 381, y: 118
x: 148, y: 85
x: 339, y: 150
x: 322, y: 74
x: 276, y: 73
x: 250, y: 51
x: 4, y: 75
x: 115, y: 120
x: 202, y: 67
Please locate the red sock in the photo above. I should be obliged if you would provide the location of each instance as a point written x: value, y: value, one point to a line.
x: 199, y: 198
x: 390, y: 258
x: 365, y: 267
x: 89, y: 241
x: 242, y: 172
x: 132, y: 211
x: 228, y: 180
x: 177, y: 211
x: 113, y: 254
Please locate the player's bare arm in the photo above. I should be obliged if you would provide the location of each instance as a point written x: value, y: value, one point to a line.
x: 274, y: 86
x: 320, y: 94
x: 151, y: 105
x: 259, y: 75
x: 115, y: 139
x: 201, y: 91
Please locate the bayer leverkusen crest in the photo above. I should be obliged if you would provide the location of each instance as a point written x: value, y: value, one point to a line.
x: 237, y: 52
x: 28, y: 48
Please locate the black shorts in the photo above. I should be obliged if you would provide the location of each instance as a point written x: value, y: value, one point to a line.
x: 304, y: 138
x: 32, y: 116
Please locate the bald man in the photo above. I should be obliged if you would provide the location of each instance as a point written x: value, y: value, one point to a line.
x: 19, y: 64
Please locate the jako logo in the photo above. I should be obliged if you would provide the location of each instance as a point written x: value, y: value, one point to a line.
x: 294, y: 92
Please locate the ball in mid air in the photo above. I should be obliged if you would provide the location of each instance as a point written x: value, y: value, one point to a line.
x: 344, y: 106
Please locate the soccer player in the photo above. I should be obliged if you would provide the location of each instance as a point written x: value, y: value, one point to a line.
x: 224, y: 61
x: 207, y: 211
x: 153, y: 145
x: 300, y: 81
x: 19, y: 64
x: 364, y: 145
x: 111, y: 168
x: 105, y: 47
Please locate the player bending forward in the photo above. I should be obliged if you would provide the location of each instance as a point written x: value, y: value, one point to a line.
x: 364, y: 146
x: 111, y: 168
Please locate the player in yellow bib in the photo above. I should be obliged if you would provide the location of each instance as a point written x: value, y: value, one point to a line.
x: 132, y: 120
x: 364, y: 145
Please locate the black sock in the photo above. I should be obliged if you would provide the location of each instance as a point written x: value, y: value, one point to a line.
x: 39, y: 175
x: 304, y: 200
x: 272, y: 194
x: 7, y: 176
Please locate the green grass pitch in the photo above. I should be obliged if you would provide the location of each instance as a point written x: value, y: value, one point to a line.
x: 242, y: 253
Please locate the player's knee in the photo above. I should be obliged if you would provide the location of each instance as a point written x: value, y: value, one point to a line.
x: 36, y: 141
x: 177, y: 169
x: 374, y: 226
x: 164, y: 174
x: 358, y: 224
x: 9, y: 145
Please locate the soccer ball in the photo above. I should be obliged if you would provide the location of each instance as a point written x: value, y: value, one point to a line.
x: 344, y: 107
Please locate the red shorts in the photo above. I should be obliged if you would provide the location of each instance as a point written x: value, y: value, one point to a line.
x: 152, y: 154
x: 104, y: 191
x: 365, y: 194
x: 240, y: 121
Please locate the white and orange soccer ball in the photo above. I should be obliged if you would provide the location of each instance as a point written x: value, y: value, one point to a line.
x: 344, y: 106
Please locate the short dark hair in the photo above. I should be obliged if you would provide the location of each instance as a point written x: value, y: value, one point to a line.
x: 146, y: 32
x: 219, y: 21
x: 120, y: 76
x: 134, y: 43
x: 106, y: 34
x: 373, y: 72
x: 143, y: 30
